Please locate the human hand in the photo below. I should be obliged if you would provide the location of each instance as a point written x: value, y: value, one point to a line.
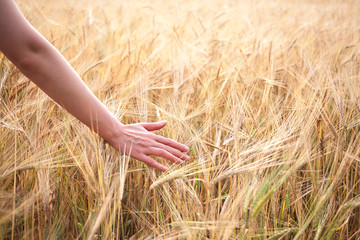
x: 137, y: 141
x: 49, y: 70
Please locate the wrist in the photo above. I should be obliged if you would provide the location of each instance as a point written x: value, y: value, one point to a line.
x: 111, y: 130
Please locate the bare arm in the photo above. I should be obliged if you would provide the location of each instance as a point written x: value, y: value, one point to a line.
x: 48, y: 69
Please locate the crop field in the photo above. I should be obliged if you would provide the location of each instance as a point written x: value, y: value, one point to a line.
x: 265, y: 93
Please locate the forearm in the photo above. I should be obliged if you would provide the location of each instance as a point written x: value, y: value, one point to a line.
x: 48, y: 69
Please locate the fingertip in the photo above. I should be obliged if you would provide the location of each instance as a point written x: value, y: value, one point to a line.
x: 184, y: 148
x: 184, y: 157
x: 159, y: 125
x: 163, y: 122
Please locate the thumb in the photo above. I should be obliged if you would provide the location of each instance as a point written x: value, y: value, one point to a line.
x: 154, y: 126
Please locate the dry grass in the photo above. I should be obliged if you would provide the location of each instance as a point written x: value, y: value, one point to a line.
x: 266, y: 94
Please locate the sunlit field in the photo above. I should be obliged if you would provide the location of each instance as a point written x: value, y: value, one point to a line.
x: 265, y: 93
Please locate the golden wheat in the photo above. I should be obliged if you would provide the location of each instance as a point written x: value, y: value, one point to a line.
x: 266, y: 94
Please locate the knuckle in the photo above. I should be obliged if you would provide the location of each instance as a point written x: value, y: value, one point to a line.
x: 145, y: 141
x: 161, y: 152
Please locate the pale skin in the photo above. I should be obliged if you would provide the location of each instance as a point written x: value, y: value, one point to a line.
x: 38, y: 60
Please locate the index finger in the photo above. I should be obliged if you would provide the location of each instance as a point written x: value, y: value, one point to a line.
x: 172, y: 143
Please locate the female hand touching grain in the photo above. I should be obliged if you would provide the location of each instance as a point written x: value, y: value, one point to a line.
x: 47, y: 68
x: 139, y: 142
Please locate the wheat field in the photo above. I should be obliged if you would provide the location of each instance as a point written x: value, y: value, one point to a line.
x: 265, y: 94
